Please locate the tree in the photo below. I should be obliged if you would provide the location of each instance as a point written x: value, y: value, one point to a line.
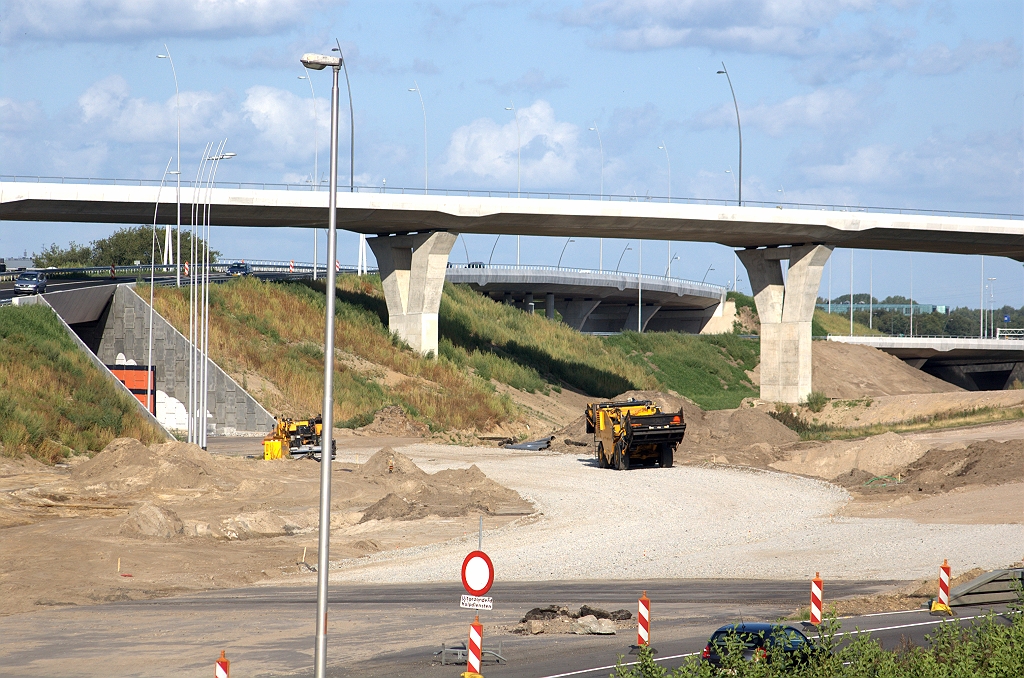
x: 123, y: 247
x: 73, y: 257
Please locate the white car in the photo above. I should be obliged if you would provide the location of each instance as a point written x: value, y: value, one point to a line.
x: 30, y: 282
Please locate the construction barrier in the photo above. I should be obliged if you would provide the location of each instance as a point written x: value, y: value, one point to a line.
x: 475, y: 647
x: 185, y: 272
x: 816, y: 595
x: 643, y: 627
x: 337, y: 266
x: 222, y: 668
x: 291, y: 266
x: 942, y: 603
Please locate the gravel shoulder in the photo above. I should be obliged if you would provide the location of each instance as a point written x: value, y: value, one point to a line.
x: 685, y: 522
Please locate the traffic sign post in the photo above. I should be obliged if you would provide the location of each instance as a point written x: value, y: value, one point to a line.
x: 477, y: 573
x: 477, y: 578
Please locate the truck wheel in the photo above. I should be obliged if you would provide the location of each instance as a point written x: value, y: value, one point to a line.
x: 601, y: 461
x: 621, y: 461
x: 665, y: 458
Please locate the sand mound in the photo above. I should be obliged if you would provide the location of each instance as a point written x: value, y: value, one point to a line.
x: 940, y: 470
x: 128, y: 465
x: 393, y: 422
x: 413, y: 493
x: 879, y: 455
x: 745, y: 426
x: 150, y: 520
x: 851, y: 371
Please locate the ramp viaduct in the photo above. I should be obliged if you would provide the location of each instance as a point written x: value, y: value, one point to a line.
x: 414, y: 235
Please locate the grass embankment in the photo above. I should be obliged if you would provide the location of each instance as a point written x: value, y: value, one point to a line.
x: 275, y: 330
x: 975, y: 416
x: 53, y: 400
x: 839, y: 325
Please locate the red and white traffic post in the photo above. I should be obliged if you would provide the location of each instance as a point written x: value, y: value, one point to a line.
x: 474, y: 649
x: 222, y: 667
x: 643, y: 627
x: 477, y: 578
x: 816, y: 595
x: 942, y: 603
x: 291, y: 266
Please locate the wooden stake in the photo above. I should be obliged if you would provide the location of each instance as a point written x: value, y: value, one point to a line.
x: 118, y: 565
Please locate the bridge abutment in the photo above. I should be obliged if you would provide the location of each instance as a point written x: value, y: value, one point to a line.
x: 785, y: 309
x: 412, y: 269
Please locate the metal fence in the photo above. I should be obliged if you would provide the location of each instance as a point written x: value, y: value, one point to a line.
x: 546, y: 195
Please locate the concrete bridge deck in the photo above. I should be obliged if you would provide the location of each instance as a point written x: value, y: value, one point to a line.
x: 416, y: 234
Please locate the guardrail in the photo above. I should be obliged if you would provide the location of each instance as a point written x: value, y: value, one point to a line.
x: 624, y: 274
x: 998, y: 586
x: 547, y: 195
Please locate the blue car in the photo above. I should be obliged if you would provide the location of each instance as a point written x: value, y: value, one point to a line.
x: 239, y: 269
x: 756, y: 641
x: 30, y: 282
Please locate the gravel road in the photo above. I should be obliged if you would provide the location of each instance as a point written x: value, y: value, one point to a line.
x: 680, y: 522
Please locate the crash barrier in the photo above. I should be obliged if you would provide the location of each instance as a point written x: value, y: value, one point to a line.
x: 643, y: 627
x: 476, y: 641
x: 997, y: 586
x: 817, y: 586
x: 222, y: 668
x: 456, y: 654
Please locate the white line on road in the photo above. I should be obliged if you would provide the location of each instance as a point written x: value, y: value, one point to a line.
x: 612, y: 666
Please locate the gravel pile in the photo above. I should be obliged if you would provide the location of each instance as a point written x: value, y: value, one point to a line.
x: 680, y: 522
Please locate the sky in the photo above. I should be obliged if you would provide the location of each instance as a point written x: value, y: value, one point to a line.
x: 898, y: 103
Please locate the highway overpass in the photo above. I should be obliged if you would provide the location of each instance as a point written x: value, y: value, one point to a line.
x: 970, y: 363
x: 416, y: 233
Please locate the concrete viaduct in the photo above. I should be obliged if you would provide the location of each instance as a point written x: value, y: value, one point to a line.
x: 415, y: 234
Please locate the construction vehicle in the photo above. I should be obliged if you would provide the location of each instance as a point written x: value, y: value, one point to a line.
x: 298, y: 439
x: 634, y: 432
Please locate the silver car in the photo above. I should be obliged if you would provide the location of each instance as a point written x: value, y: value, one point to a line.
x: 30, y: 282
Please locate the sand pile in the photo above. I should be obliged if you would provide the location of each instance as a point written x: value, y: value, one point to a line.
x: 881, y: 455
x: 742, y: 428
x: 413, y: 493
x: 850, y: 371
x: 940, y: 470
x: 392, y: 421
x: 128, y: 466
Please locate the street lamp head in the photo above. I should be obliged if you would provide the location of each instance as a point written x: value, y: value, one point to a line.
x: 721, y: 72
x: 508, y: 108
x: 161, y: 56
x: 318, y: 62
x: 303, y: 77
x: 414, y: 89
x: 592, y: 129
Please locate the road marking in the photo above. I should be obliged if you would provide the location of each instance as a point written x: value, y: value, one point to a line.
x: 612, y: 666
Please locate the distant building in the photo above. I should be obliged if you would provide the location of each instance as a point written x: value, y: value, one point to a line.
x: 15, y: 263
x: 919, y: 309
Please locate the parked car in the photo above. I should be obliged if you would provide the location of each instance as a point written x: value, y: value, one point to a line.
x: 30, y: 282
x: 239, y: 269
x: 756, y: 641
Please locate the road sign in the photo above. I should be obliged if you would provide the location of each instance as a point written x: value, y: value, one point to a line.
x: 477, y: 573
x: 477, y: 603
x: 1006, y: 318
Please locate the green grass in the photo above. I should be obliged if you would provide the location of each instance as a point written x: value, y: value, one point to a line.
x: 708, y: 369
x: 53, y: 400
x: 834, y: 323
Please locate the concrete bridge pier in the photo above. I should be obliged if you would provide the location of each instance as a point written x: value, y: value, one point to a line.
x: 785, y: 310
x: 645, y: 317
x: 412, y: 269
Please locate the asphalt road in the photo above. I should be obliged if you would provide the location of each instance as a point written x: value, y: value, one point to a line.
x: 394, y: 630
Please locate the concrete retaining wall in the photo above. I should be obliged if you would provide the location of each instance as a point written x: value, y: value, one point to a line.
x: 126, y: 332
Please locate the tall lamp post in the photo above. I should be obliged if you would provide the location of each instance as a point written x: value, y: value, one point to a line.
x: 177, y: 155
x: 600, y: 256
x: 519, y: 163
x: 316, y: 169
x: 318, y: 62
x: 424, y: 108
x: 739, y: 130
x: 567, y: 241
x: 668, y: 160
x: 361, y: 265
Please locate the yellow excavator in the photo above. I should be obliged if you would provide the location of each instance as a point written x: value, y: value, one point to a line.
x: 634, y: 432
x: 297, y: 439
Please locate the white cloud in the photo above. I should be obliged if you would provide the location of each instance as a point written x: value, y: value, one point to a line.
x: 284, y: 122
x: 485, y: 149
x: 85, y: 20
x: 939, y: 59
x: 824, y: 109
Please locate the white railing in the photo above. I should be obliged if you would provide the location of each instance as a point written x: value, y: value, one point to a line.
x: 483, y: 193
x: 610, y: 275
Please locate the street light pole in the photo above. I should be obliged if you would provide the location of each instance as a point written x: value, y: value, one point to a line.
x: 177, y: 112
x: 739, y: 130
x: 519, y: 163
x: 567, y: 241
x: 316, y: 169
x: 624, y: 250
x: 668, y: 161
x: 424, y: 108
x: 319, y: 62
x: 600, y: 256
x: 152, y: 279
x: 361, y: 264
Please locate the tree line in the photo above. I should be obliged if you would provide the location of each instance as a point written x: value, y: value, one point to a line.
x: 122, y: 248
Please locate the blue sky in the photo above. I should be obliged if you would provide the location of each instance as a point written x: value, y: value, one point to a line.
x: 858, y: 102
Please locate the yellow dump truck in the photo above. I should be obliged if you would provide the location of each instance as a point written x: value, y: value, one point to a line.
x: 296, y: 439
x: 634, y: 432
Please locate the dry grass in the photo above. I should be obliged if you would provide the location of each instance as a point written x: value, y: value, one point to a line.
x: 53, y: 400
x: 276, y: 330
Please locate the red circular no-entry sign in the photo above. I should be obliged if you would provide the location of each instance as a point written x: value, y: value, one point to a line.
x: 477, y: 573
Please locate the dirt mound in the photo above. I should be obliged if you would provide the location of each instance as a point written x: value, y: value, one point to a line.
x: 392, y: 421
x: 850, y: 371
x: 150, y: 520
x: 940, y: 470
x: 745, y: 426
x: 413, y: 493
x: 129, y: 466
x: 875, y: 456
